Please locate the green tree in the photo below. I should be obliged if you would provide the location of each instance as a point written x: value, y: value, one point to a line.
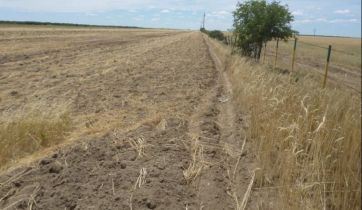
x: 257, y: 22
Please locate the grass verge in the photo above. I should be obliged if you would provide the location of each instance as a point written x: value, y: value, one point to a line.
x: 306, y: 139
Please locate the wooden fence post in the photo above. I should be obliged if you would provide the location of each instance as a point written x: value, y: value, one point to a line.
x: 233, y: 42
x: 294, y: 53
x: 327, y: 66
x: 264, y: 53
x: 276, y: 54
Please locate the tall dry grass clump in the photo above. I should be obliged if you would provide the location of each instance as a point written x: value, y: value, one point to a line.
x: 307, y: 140
x: 31, y: 130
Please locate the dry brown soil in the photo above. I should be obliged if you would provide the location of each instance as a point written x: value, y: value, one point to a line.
x: 147, y: 106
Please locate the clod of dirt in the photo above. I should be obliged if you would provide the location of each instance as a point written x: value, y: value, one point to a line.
x: 133, y: 157
x: 151, y: 204
x: 55, y: 155
x: 55, y: 169
x: 45, y: 161
x: 17, y: 183
x: 123, y: 165
x: 14, y: 93
x: 165, y: 149
x: 22, y: 205
x: 161, y: 167
x: 71, y: 206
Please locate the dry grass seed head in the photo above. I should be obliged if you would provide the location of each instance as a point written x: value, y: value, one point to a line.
x: 197, y: 162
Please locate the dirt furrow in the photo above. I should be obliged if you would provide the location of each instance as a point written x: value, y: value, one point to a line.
x: 235, y: 157
x: 141, y: 159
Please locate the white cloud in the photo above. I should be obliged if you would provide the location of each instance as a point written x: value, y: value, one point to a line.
x: 90, y: 14
x: 155, y: 19
x: 108, y: 5
x: 218, y: 14
x: 138, y: 18
x: 321, y: 20
x: 342, y: 11
x: 313, y: 8
x: 325, y: 20
x: 223, y: 12
x: 297, y: 13
x: 165, y: 11
x: 344, y: 21
x: 303, y: 21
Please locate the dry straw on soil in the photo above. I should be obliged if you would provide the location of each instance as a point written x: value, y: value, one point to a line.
x: 306, y: 139
x: 197, y: 162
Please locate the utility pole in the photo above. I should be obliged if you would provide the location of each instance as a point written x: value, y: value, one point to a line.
x: 203, y: 21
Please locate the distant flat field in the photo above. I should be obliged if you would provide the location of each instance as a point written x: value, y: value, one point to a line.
x: 311, y: 54
x: 56, y: 64
x: 345, y: 51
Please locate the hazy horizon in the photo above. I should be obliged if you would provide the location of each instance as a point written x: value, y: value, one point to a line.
x: 332, y: 18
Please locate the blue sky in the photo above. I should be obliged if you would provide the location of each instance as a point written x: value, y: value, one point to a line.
x: 328, y: 17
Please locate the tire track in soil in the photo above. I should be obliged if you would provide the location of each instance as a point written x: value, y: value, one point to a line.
x: 219, y: 131
x: 207, y: 132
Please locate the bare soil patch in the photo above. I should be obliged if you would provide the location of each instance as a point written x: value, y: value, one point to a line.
x: 152, y: 115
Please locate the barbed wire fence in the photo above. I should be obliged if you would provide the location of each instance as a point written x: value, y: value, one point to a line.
x: 295, y: 55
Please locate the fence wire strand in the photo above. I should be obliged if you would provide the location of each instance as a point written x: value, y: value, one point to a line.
x: 326, y: 48
x: 313, y: 45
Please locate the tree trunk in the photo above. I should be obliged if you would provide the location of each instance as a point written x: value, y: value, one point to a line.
x: 260, y: 47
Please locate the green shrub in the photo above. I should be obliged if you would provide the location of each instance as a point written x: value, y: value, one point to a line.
x: 216, y: 34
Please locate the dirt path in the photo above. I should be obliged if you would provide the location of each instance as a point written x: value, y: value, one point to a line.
x: 227, y: 178
x: 177, y: 143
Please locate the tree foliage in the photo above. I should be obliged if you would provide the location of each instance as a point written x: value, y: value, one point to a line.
x: 257, y: 22
x: 216, y: 34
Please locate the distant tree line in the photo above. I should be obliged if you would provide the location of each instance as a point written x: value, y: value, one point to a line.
x: 60, y: 24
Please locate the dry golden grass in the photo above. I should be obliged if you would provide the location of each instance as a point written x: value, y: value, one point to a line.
x: 30, y: 131
x: 306, y: 139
